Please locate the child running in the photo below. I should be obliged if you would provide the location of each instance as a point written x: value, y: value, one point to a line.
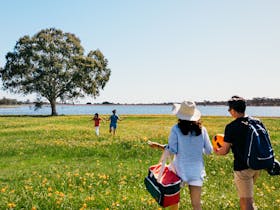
x: 96, y: 119
x: 113, y: 122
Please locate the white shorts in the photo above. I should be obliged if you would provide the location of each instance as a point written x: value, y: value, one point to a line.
x: 198, y: 183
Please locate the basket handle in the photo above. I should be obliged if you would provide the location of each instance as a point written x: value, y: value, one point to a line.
x: 166, y: 154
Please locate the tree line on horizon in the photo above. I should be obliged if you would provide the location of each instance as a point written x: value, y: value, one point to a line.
x: 259, y: 101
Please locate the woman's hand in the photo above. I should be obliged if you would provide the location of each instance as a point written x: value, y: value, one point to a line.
x: 156, y: 145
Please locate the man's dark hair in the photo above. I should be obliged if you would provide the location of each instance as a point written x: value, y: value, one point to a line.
x: 237, y: 103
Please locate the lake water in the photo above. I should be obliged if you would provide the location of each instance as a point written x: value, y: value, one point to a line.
x: 268, y: 111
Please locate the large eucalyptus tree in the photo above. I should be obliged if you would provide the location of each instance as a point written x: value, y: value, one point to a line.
x: 52, y: 64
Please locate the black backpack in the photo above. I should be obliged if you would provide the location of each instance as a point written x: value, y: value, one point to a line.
x: 259, y: 153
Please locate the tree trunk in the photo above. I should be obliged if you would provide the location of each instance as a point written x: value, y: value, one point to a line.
x: 53, y: 105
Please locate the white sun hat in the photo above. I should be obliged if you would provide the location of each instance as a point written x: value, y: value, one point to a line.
x: 186, y: 111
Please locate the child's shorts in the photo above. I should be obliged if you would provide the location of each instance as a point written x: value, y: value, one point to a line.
x: 113, y: 126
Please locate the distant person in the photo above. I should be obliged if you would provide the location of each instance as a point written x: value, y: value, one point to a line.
x: 234, y: 138
x: 188, y: 141
x: 96, y: 120
x: 113, y: 122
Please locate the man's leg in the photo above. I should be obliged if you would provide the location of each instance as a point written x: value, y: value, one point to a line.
x: 244, y: 181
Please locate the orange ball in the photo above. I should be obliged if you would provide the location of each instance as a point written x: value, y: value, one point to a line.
x: 218, y: 141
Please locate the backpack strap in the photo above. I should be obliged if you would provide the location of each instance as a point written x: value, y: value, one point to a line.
x: 253, y: 120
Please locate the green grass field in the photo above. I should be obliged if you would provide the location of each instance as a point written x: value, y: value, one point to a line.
x: 59, y: 163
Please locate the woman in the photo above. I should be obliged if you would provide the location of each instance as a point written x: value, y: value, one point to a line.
x: 188, y: 141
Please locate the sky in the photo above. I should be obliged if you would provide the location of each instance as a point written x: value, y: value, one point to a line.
x: 162, y: 50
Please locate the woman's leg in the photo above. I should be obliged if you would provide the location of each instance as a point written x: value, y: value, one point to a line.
x: 174, y: 207
x: 246, y: 203
x: 195, y: 194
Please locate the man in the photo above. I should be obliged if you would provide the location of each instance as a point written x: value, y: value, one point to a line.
x: 235, y: 137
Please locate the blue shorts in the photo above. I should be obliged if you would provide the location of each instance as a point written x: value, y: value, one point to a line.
x: 113, y: 126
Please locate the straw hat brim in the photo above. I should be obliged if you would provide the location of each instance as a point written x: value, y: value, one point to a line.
x: 194, y: 117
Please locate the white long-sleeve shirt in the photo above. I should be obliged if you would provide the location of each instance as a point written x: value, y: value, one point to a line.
x: 189, y: 150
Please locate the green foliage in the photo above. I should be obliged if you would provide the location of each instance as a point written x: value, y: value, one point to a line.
x: 59, y: 163
x: 7, y: 101
x: 53, y: 65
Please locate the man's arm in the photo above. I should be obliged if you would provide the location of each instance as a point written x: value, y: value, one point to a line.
x: 224, y: 149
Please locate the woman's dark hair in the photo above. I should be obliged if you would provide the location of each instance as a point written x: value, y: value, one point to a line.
x: 192, y: 127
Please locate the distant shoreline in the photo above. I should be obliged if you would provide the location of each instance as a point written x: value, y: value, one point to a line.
x: 123, y: 109
x: 250, y: 102
x: 126, y: 104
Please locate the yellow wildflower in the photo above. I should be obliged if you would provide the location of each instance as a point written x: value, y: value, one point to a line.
x: 11, y: 205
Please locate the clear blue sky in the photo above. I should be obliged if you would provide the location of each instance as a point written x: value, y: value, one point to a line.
x: 163, y: 51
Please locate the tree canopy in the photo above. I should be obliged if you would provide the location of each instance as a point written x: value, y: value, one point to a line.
x: 52, y: 64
